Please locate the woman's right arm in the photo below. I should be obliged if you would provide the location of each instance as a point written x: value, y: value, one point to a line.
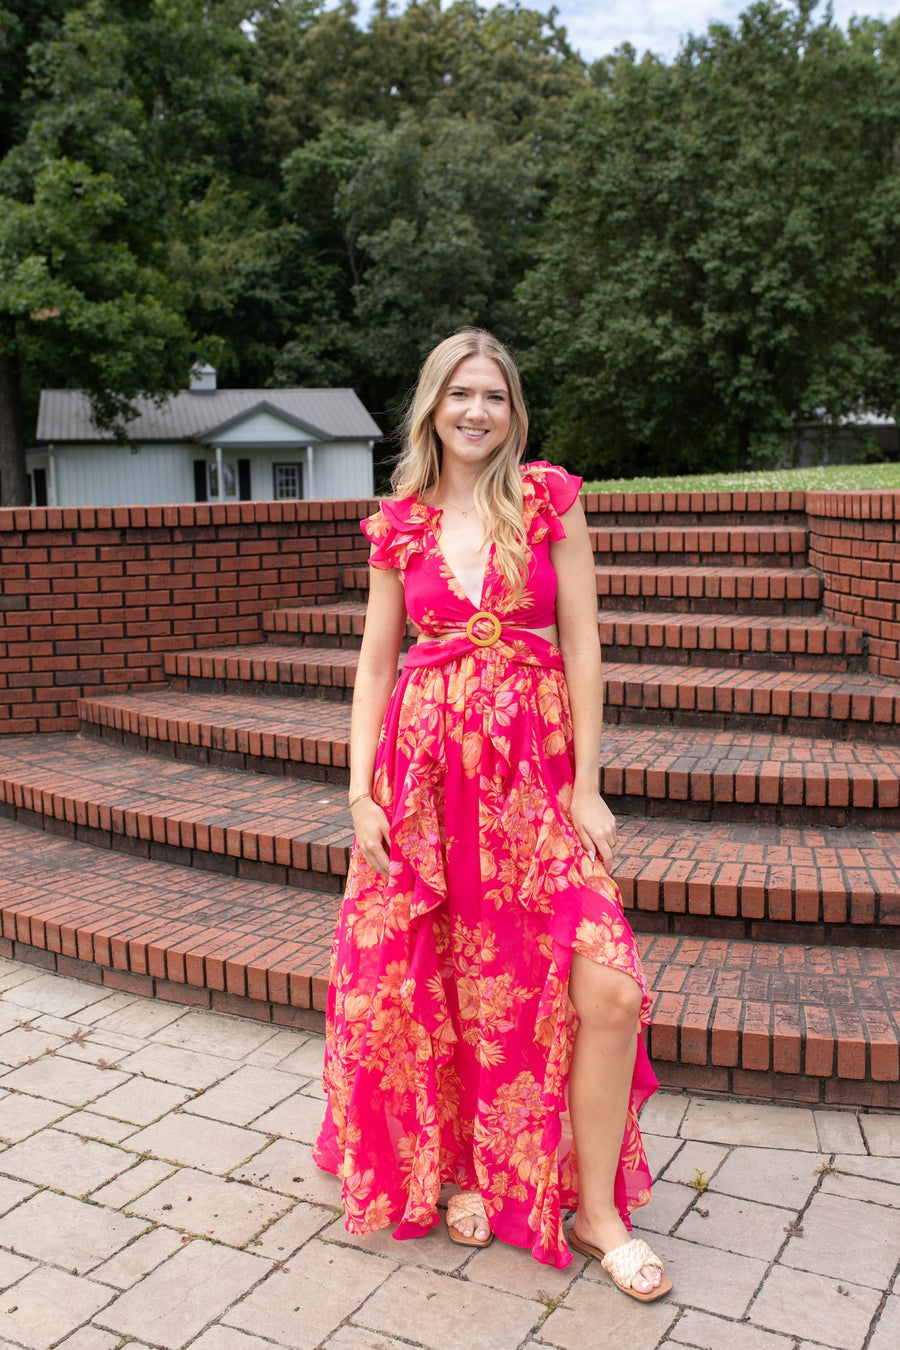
x: 376, y: 676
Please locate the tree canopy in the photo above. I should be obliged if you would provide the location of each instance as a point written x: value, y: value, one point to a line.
x: 691, y: 258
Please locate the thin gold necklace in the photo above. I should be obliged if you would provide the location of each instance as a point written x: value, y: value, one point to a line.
x: 459, y: 508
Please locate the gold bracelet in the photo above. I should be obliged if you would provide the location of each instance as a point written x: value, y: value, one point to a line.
x: 359, y: 799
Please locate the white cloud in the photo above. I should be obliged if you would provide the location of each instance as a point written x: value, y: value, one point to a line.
x: 597, y: 27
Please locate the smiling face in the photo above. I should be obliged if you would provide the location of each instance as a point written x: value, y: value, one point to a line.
x: 473, y: 414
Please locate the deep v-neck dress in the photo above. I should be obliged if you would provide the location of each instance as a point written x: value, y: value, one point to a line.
x: 449, y: 1029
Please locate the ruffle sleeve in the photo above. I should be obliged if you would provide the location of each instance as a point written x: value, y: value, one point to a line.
x: 396, y: 532
x: 549, y: 493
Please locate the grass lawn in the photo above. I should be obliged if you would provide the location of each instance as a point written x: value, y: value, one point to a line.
x: 839, y: 477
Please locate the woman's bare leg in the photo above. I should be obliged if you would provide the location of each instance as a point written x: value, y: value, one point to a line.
x: 608, y: 1005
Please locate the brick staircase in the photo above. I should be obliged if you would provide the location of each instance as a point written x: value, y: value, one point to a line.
x: 191, y: 840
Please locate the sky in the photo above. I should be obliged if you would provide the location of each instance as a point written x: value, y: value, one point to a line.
x: 597, y: 27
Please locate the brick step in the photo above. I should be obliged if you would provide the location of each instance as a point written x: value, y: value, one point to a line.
x: 715, y: 870
x: 686, y: 509
x: 698, y: 774
x: 313, y: 672
x: 338, y: 623
x: 265, y: 733
x: 150, y: 927
x: 708, y: 545
x: 781, y: 1021
x: 761, y: 882
x: 289, y: 831
x: 743, y: 875
x: 811, y: 703
x: 753, y: 1019
x: 702, y: 774
x: 750, y: 641
x: 783, y: 701
x: 742, y: 590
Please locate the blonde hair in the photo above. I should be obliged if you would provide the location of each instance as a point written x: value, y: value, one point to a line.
x: 498, y: 491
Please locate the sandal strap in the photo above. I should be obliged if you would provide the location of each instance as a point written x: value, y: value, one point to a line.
x: 624, y: 1262
x: 465, y: 1205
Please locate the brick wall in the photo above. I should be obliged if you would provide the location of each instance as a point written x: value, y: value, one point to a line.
x: 90, y: 597
x: 854, y: 541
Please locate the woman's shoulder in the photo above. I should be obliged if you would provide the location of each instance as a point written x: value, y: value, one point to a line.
x: 396, y: 530
x: 550, y: 485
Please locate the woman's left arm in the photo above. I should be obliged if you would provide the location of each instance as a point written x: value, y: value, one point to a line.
x: 579, y: 642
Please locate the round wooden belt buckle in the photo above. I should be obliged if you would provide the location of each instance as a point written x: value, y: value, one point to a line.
x: 495, y: 631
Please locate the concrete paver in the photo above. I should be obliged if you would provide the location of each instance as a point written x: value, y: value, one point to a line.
x: 63, y: 1080
x: 887, y: 1331
x: 695, y: 1161
x: 740, y: 1226
x: 46, y: 1305
x: 699, y: 1330
x: 847, y: 1239
x: 21, y: 1115
x: 172, y: 1064
x: 64, y: 1162
x: 301, y: 1303
x: 449, y: 1314
x: 89, y: 1125
x: 157, y: 1184
x: 59, y: 998
x: 839, y: 1132
x: 25, y: 1044
x: 213, y: 1034
x: 729, y: 1122
x: 670, y: 1201
x: 140, y: 1101
x: 881, y: 1134
x: 774, y: 1176
x: 209, y: 1206
x: 282, y: 1238
x: 880, y: 1169
x: 133, y: 1182
x: 244, y: 1095
x: 177, y: 1300
x: 195, y: 1142
x: 66, y: 1232
x: 828, y: 1311
x: 89, y: 1338
x: 590, y: 1307
x: 136, y: 1260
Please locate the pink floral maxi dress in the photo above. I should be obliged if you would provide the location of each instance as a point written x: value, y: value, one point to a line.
x: 449, y: 1027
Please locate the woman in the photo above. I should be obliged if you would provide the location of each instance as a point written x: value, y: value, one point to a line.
x: 486, y: 988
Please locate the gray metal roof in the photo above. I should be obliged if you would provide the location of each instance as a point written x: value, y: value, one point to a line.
x: 65, y: 414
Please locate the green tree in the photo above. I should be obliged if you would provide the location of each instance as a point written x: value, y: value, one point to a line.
x: 128, y: 112
x: 417, y: 196
x: 721, y: 260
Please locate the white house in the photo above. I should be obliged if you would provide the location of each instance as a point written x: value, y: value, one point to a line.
x: 205, y: 444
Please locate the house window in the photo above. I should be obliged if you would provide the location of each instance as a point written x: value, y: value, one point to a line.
x: 229, y: 481
x: 288, y: 481
x: 38, y: 487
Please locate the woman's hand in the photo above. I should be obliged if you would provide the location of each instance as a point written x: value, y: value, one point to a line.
x: 595, y: 825
x: 373, y: 833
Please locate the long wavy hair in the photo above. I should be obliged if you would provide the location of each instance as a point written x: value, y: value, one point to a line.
x: 498, y: 491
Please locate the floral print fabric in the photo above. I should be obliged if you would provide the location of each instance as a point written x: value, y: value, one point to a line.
x: 449, y: 1028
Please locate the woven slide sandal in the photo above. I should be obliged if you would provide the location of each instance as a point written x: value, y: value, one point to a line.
x: 623, y: 1263
x: 466, y: 1205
